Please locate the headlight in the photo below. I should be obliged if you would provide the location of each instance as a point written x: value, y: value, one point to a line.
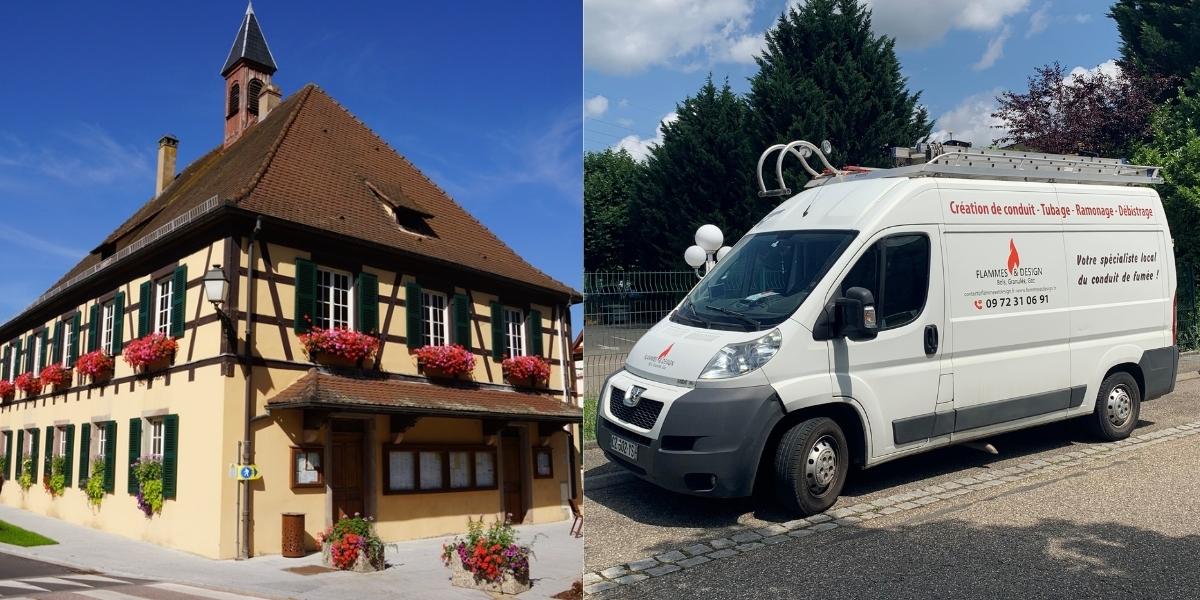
x: 739, y: 359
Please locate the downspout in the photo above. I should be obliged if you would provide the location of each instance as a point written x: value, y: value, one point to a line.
x: 248, y: 369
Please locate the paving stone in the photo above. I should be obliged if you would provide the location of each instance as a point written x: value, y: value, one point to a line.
x: 928, y: 500
x: 861, y: 508
x: 887, y: 510
x: 950, y: 485
x: 720, y: 543
x: 847, y: 520
x: 672, y: 556
x: 867, y: 516
x: 746, y: 536
x: 1010, y: 478
x: 693, y: 561
x: 946, y: 495
x: 883, y: 502
x: 797, y: 524
x: 726, y: 553
x: 697, y: 549
x: 841, y: 513
x: 935, y: 489
x: 590, y: 578
x: 821, y: 518
x: 631, y: 578
x: 748, y: 547
x: 823, y: 527
x: 771, y: 530
x: 775, y: 539
x: 799, y: 533
x: 984, y: 476
x: 596, y: 588
x: 642, y: 565
x: 976, y: 486
x: 663, y: 570
x: 966, y: 481
x: 614, y: 572
x: 906, y: 506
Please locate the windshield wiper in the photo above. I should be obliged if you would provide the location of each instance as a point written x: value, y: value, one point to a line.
x: 734, y: 313
x: 696, y: 316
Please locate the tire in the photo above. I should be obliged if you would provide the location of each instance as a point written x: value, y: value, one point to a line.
x: 1118, y: 404
x: 811, y: 463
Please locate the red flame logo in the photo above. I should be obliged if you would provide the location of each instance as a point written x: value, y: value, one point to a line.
x: 666, y: 352
x: 1014, y: 259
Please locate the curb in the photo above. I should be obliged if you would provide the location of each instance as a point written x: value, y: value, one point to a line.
x: 748, y: 539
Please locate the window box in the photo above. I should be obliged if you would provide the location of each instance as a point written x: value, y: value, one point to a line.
x: 526, y: 371
x: 152, y: 353
x: 339, y: 347
x: 57, y: 377
x: 7, y: 391
x: 29, y: 383
x: 445, y: 362
x: 96, y: 365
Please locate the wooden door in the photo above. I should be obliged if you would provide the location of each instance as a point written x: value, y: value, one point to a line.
x: 513, y: 476
x: 346, y: 476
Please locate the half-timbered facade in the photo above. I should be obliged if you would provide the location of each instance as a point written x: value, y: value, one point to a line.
x: 315, y: 224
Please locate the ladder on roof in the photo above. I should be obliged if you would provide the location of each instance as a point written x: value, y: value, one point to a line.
x: 939, y: 160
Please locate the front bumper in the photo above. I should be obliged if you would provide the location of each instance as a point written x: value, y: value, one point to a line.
x: 708, y: 441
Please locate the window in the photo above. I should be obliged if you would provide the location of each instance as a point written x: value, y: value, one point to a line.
x: 235, y: 94
x: 896, y: 271
x: 36, y: 367
x: 64, y: 343
x: 514, y: 332
x: 61, y: 436
x: 543, y: 462
x: 156, y: 438
x: 108, y: 322
x: 333, y: 299
x: 101, y: 438
x: 252, y: 93
x: 436, y: 318
x: 163, y: 293
x: 426, y: 469
x: 306, y: 467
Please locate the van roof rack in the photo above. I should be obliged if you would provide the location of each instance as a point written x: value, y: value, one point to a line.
x: 942, y: 160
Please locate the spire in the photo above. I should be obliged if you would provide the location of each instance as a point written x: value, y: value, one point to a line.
x: 251, y: 46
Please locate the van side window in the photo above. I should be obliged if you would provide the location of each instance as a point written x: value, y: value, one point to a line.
x: 896, y: 271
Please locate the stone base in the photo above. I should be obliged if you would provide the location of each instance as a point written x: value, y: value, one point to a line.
x: 363, y: 564
x: 461, y: 577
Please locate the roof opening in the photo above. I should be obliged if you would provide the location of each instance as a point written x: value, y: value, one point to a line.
x: 409, y: 215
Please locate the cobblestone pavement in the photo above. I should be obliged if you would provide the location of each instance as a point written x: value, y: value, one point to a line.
x: 638, y: 533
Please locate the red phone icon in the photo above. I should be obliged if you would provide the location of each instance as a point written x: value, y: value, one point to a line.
x: 979, y: 304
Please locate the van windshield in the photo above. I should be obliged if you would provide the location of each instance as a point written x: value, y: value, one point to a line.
x: 763, y: 280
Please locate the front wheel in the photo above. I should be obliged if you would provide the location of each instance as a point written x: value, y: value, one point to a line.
x: 811, y: 463
x: 1118, y: 405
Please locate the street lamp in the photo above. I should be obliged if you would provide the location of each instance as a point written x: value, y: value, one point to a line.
x: 215, y: 286
x: 707, y: 251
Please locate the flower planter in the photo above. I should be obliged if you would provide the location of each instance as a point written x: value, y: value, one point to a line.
x: 508, y: 583
x: 443, y: 374
x: 161, y: 363
x: 363, y: 564
x: 338, y: 362
x: 527, y: 382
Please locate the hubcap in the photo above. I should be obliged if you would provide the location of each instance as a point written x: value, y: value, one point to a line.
x: 821, y: 465
x: 1120, y: 406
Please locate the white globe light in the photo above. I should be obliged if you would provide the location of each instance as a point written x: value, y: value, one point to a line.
x: 709, y: 237
x: 695, y: 256
x: 722, y: 252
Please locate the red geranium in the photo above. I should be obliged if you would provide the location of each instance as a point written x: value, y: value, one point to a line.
x: 7, y: 389
x: 532, y: 369
x: 151, y: 348
x: 28, y: 383
x: 344, y: 552
x: 94, y: 364
x: 348, y: 344
x: 450, y: 360
x: 56, y: 376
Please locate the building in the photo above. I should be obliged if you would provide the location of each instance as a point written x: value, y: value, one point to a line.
x: 313, y: 223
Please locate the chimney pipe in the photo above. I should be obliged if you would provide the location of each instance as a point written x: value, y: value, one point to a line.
x: 268, y: 99
x: 167, y: 147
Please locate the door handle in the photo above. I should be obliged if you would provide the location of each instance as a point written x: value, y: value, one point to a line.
x: 931, y: 340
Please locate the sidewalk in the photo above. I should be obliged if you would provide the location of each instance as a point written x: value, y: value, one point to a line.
x: 414, y: 567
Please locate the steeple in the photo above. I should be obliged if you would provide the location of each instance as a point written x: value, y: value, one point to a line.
x: 247, y: 73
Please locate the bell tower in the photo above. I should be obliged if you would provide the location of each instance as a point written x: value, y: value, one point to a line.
x: 247, y: 73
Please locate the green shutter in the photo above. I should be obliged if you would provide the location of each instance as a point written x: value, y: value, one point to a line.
x: 85, y: 451
x: 44, y: 359
x: 135, y: 452
x: 306, y: 295
x: 33, y: 453
x: 69, y: 457
x: 118, y: 323
x: 49, y: 457
x: 8, y: 455
x: 145, y: 306
x: 533, y: 333
x: 462, y: 320
x: 56, y: 345
x: 27, y: 364
x: 497, y: 331
x: 20, y: 452
x: 170, y: 455
x: 179, y: 301
x: 73, y: 342
x: 110, y: 455
x: 94, y: 329
x: 368, y: 303
x: 413, y: 308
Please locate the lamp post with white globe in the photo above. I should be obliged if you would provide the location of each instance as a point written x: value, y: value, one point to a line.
x: 707, y: 251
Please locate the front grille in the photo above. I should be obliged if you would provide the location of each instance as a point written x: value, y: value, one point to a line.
x: 644, y: 415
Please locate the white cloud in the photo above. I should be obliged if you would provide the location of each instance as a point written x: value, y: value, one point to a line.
x: 80, y: 155
x: 744, y: 49
x: 993, y: 52
x: 595, y: 106
x: 21, y: 238
x: 629, y: 36
x: 639, y: 147
x: 971, y: 120
x: 1108, y: 67
x: 1039, y: 20
x: 917, y: 24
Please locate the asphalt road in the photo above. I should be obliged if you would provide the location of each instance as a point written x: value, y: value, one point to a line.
x: 634, y: 520
x: 27, y: 578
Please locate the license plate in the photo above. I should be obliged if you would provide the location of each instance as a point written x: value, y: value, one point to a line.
x: 623, y: 447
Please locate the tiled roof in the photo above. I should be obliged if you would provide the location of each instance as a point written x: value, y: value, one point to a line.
x: 312, y: 163
x: 319, y: 389
x: 250, y: 45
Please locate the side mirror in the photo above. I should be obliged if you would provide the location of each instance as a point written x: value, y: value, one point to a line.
x: 856, y: 319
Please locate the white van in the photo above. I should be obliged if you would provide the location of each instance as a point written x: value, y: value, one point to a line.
x: 884, y: 313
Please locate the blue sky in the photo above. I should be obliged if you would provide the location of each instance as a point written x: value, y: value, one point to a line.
x: 643, y: 56
x: 485, y: 101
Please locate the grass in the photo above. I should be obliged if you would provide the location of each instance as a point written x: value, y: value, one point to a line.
x: 589, y: 419
x: 11, y: 534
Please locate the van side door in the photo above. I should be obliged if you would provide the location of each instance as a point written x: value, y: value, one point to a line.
x: 895, y: 376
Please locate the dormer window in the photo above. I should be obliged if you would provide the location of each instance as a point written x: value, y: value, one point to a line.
x: 409, y: 215
x: 235, y: 95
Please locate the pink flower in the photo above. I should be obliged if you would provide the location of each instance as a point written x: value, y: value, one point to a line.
x: 7, y: 389
x: 153, y: 347
x: 56, y: 376
x: 451, y: 360
x: 527, y: 368
x: 94, y: 364
x: 28, y: 383
x: 342, y: 342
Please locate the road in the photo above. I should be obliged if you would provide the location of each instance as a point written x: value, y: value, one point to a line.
x: 1055, y: 514
x: 26, y: 578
